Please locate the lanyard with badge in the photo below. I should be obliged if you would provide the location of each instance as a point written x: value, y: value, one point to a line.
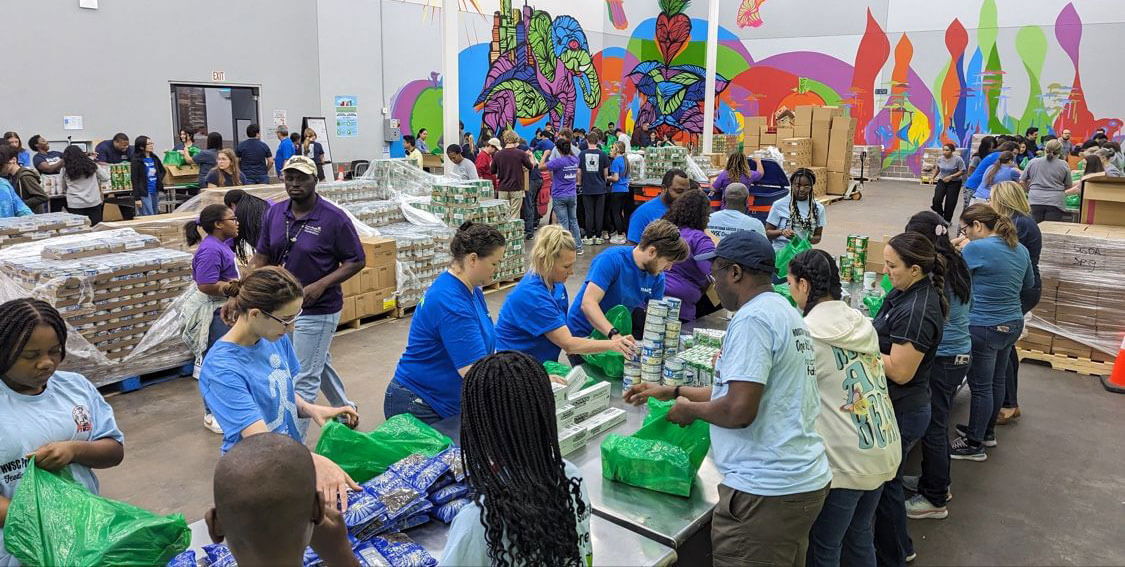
x: 291, y: 237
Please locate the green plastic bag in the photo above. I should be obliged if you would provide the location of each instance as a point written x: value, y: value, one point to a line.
x: 795, y: 246
x: 53, y: 520
x: 367, y: 455
x: 660, y: 456
x: 875, y: 303
x: 612, y: 364
x: 173, y: 158
x: 554, y: 368
x: 783, y: 291
x: 1073, y: 201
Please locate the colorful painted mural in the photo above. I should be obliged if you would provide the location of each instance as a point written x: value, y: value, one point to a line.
x: 532, y: 70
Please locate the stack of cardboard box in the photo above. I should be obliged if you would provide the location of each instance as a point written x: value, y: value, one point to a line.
x: 929, y: 164
x: 797, y: 152
x: 841, y: 140
x: 867, y: 162
x: 372, y: 290
x: 755, y: 127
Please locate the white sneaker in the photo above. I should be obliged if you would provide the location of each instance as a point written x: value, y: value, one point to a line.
x: 588, y: 241
x: 918, y: 508
x: 617, y: 239
x: 210, y: 423
x: 598, y: 241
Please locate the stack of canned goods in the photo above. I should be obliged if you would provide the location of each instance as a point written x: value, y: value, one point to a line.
x: 696, y: 366
x: 853, y: 262
x: 708, y: 337
x: 652, y: 342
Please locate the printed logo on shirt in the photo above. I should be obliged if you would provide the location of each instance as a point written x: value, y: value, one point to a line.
x: 313, y: 230
x: 82, y: 420
x: 865, y: 398
x: 592, y: 162
x: 12, y: 470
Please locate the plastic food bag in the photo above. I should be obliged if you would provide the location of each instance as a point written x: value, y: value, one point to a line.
x: 53, y: 520
x: 448, y: 493
x: 795, y: 246
x: 661, y: 456
x: 420, y: 471
x: 1073, y: 201
x: 612, y: 364
x: 556, y: 368
x: 446, y: 512
x: 783, y: 291
x: 172, y: 157
x: 365, y: 455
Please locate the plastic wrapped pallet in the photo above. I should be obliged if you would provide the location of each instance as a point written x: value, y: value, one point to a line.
x: 169, y: 228
x: 121, y: 307
x: 867, y: 161
x: 19, y: 230
x: 1082, y: 310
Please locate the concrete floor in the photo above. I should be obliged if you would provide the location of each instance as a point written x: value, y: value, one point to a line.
x: 1052, y: 493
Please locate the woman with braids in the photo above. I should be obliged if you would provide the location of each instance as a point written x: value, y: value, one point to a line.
x: 1001, y: 270
x: 451, y: 329
x: 909, y: 326
x: 533, y: 319
x: 57, y: 417
x: 737, y: 171
x: 247, y: 376
x: 796, y: 214
x: 531, y: 506
x: 213, y: 268
x: 951, y: 363
x: 689, y: 278
x: 249, y: 211
x: 856, y: 418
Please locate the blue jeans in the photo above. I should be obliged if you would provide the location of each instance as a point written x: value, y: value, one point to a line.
x: 988, y: 374
x: 566, y: 209
x: 842, y: 533
x: 892, y: 540
x: 258, y: 179
x: 148, y: 205
x: 312, y: 337
x: 947, y: 374
x: 399, y: 400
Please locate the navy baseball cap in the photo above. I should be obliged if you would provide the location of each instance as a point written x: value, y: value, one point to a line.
x: 747, y: 248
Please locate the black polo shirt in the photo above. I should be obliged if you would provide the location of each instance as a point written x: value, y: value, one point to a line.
x: 912, y: 316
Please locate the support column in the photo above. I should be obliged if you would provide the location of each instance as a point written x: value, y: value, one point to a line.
x: 709, y: 83
x: 450, y: 17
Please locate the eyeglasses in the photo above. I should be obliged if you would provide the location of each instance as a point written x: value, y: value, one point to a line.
x: 284, y: 322
x: 228, y: 219
x: 963, y: 230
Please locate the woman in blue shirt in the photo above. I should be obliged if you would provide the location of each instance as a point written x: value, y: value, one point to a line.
x: 1001, y: 270
x: 620, y: 195
x: 451, y: 329
x: 1003, y: 170
x: 533, y: 319
x: 147, y: 175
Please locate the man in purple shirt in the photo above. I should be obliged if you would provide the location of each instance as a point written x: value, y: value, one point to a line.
x: 317, y: 242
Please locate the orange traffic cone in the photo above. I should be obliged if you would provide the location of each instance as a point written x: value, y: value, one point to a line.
x: 340, y: 173
x: 1116, y: 381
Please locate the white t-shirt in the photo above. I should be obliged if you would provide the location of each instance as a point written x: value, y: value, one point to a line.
x: 727, y: 221
x: 69, y: 409
x: 779, y: 217
x: 464, y: 170
x: 466, y: 545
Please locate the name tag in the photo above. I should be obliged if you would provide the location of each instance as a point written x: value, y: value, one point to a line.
x: 313, y: 230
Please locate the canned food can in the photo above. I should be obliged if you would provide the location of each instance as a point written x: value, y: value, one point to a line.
x: 845, y: 269
x: 673, y: 304
x: 651, y: 377
x: 673, y: 377
x: 676, y: 364
x: 861, y: 242
x: 629, y: 381
x: 869, y: 281
x: 656, y: 309
x: 857, y: 273
x: 691, y: 377
x: 652, y: 360
x: 651, y: 369
x: 672, y: 326
x: 655, y: 326
x: 653, y: 336
x: 850, y: 243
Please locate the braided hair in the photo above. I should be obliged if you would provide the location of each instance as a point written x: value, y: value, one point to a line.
x: 934, y: 227
x: 509, y: 440
x: 796, y: 221
x: 817, y: 267
x: 249, y: 210
x: 18, y: 319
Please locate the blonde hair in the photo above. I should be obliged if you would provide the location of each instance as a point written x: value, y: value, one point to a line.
x: 1053, y: 149
x: 309, y: 132
x: 1009, y: 198
x: 549, y: 243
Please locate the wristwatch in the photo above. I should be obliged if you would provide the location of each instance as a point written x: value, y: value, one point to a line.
x: 613, y: 332
x: 676, y: 393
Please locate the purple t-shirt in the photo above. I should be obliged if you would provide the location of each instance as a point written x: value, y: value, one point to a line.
x: 688, y: 279
x: 311, y: 247
x: 564, y: 176
x: 723, y: 179
x: 213, y: 262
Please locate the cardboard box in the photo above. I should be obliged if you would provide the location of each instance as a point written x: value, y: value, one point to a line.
x: 803, y: 124
x: 838, y: 182
x: 820, y: 188
x: 378, y: 250
x: 374, y: 302
x: 821, y: 113
x: 347, y: 313
x: 784, y: 132
x: 821, y: 132
x: 1066, y: 347
x: 769, y: 140
x: 181, y: 175
x: 754, y: 124
x: 1103, y: 201
x: 841, y: 142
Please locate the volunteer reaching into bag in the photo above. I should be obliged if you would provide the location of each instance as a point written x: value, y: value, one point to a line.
x: 57, y: 417
x: 533, y: 319
x: 451, y: 329
x: 626, y: 275
x: 247, y: 377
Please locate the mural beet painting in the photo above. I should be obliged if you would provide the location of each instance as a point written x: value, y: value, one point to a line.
x: 636, y: 61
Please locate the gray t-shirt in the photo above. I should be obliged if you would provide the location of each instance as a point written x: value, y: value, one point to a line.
x: 950, y: 166
x: 464, y: 170
x: 1046, y: 180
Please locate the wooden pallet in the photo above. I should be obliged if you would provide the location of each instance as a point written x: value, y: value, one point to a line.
x: 500, y: 285
x: 404, y: 312
x: 134, y: 383
x: 365, y: 322
x: 829, y: 199
x: 1082, y: 366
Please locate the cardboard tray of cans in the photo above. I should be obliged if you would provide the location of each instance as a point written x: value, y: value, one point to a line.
x: 19, y: 230
x: 167, y: 228
x: 119, y: 305
x: 870, y: 166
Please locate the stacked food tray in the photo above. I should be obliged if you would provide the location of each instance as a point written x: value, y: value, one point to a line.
x: 18, y: 230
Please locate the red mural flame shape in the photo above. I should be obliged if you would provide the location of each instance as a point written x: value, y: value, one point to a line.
x: 956, y: 40
x: 873, y: 51
x: 904, y: 51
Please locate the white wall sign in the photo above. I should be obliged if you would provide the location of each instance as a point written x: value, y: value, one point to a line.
x: 218, y: 76
x: 72, y: 122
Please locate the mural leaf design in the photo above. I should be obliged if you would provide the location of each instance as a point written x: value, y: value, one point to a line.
x: 673, y: 29
x: 539, y: 38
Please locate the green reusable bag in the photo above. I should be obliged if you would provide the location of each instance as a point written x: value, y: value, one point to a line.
x: 1073, y: 201
x: 611, y: 364
x: 660, y: 456
x: 367, y: 455
x: 783, y: 291
x: 172, y: 157
x: 795, y: 246
x: 53, y: 520
x: 554, y: 368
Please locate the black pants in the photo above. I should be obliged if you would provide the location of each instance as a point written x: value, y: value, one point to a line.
x: 1048, y: 213
x: 93, y: 213
x: 595, y: 214
x: 530, y: 212
x: 945, y: 198
x: 580, y: 211
x: 947, y: 374
x: 619, y: 211
x: 1028, y: 300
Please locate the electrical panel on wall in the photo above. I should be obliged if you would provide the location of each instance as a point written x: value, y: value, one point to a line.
x: 391, y: 130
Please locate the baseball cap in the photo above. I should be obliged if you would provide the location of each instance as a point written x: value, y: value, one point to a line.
x: 495, y: 142
x: 301, y: 163
x: 747, y: 248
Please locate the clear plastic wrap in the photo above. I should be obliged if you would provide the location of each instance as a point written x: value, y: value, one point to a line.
x: 19, y: 230
x: 121, y: 308
x: 1082, y: 309
x: 169, y: 228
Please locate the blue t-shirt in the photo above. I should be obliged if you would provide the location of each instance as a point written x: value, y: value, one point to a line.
x: 544, y: 145
x: 779, y: 217
x: 955, y: 337
x: 24, y: 158
x: 780, y: 453
x: 623, y: 282
x: 727, y: 221
x: 150, y: 174
x: 643, y: 216
x: 252, y: 155
x: 530, y: 312
x: 451, y: 329
x: 986, y: 162
x: 242, y: 385
x: 1005, y: 173
x: 999, y: 273
x: 285, y: 150
x: 622, y: 183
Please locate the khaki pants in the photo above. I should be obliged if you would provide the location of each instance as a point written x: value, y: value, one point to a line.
x: 763, y: 530
x: 515, y: 202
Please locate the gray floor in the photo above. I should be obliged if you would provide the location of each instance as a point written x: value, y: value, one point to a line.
x: 1052, y: 493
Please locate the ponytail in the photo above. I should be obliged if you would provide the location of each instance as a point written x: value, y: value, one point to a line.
x: 265, y: 289
x: 932, y: 226
x: 1005, y: 157
x: 208, y: 218
x: 191, y: 232
x: 817, y: 267
x: 999, y: 224
x: 918, y: 250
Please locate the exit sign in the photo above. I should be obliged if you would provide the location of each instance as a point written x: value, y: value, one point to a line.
x: 218, y: 76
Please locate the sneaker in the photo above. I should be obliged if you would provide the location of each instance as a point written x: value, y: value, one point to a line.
x: 911, y: 483
x: 588, y: 241
x: 910, y: 558
x: 1008, y: 415
x: 211, y: 425
x: 962, y: 449
x: 617, y: 239
x: 580, y: 252
x: 918, y: 508
x: 989, y: 438
x: 598, y: 241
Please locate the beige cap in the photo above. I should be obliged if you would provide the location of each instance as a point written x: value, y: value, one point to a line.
x: 301, y: 163
x: 495, y: 143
